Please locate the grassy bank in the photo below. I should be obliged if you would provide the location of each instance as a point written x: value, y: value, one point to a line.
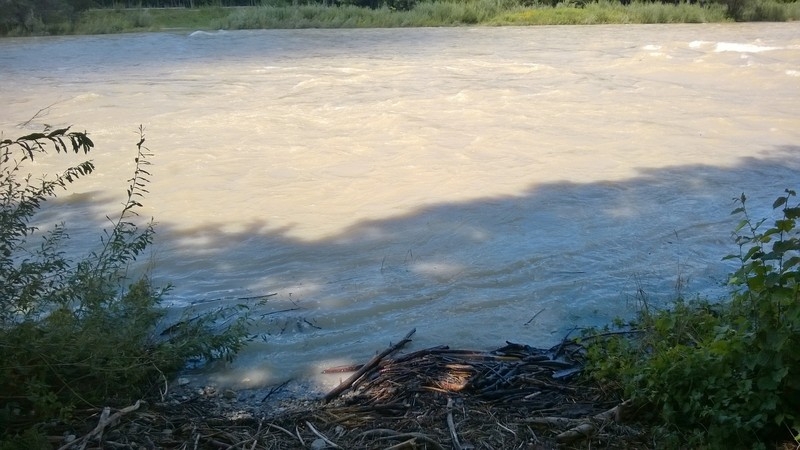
x: 424, y: 14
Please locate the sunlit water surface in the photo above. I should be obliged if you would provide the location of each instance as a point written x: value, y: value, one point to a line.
x: 457, y: 180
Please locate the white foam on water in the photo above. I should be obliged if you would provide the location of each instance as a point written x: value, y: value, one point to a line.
x: 206, y: 33
x: 742, y: 48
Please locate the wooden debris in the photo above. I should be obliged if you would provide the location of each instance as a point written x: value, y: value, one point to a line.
x: 583, y: 428
x: 321, y: 436
x: 106, y: 421
x: 368, y: 366
x: 435, y: 398
x: 452, y: 427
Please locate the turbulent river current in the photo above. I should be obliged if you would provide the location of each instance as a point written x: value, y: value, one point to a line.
x: 477, y: 184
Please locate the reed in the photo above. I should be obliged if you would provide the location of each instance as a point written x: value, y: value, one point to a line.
x: 114, y: 21
x: 606, y: 12
x: 306, y: 16
x: 770, y: 11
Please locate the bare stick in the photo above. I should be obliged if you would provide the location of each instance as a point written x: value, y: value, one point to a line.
x: 321, y: 436
x: 283, y: 429
x: 405, y: 445
x: 258, y: 432
x: 451, y: 425
x: 534, y: 316
x: 583, y: 428
x: 433, y: 445
x: 106, y: 419
x: 343, y: 386
x: 46, y: 109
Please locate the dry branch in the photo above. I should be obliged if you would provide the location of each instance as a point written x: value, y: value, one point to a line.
x: 452, y: 427
x: 321, y: 436
x: 583, y: 428
x: 401, y: 402
x: 367, y: 367
x: 106, y: 420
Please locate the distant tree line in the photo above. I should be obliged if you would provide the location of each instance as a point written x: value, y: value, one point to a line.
x: 28, y: 16
x: 25, y: 14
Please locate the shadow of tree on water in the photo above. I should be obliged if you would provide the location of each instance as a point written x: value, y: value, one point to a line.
x: 526, y: 268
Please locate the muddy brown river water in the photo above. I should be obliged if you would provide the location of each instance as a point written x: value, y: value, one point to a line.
x: 456, y: 180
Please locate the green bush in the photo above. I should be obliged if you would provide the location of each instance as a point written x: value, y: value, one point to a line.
x: 83, y: 334
x: 724, y: 375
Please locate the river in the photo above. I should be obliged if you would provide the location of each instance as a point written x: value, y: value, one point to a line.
x: 477, y: 184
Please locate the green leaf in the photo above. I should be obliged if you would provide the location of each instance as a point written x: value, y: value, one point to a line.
x: 740, y: 225
x: 59, y: 132
x: 753, y: 253
x: 780, y: 201
x: 32, y: 137
x: 791, y: 262
x: 792, y: 213
x: 786, y: 245
x: 784, y: 225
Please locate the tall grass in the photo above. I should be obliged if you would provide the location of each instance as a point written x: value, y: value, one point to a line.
x: 476, y: 12
x: 114, y: 21
x: 304, y: 16
x: 320, y: 16
x: 770, y: 11
x: 606, y: 12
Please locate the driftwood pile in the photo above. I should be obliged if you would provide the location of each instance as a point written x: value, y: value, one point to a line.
x: 438, y: 398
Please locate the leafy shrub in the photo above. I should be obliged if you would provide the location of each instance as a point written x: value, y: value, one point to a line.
x: 723, y: 375
x: 74, y: 334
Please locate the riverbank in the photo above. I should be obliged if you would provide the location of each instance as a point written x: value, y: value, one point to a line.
x: 513, y: 397
x: 425, y: 14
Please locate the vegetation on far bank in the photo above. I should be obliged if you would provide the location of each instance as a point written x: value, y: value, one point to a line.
x: 56, y: 17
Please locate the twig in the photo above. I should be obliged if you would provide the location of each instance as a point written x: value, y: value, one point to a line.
x: 311, y: 324
x: 410, y: 444
x: 582, y: 431
x: 321, y: 436
x: 258, y: 297
x: 385, y: 433
x: 284, y: 430
x: 258, y: 431
x: 46, y: 108
x: 452, y: 426
x: 343, y: 369
x: 275, y: 389
x: 106, y: 419
x: 564, y: 341
x: 343, y: 386
x: 583, y: 428
x: 534, y: 317
x: 609, y: 333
